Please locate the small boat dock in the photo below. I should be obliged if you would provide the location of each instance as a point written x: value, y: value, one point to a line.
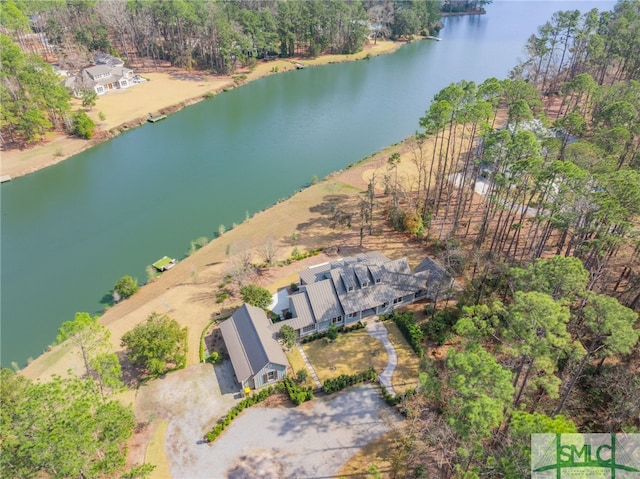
x: 5, y: 178
x: 154, y: 118
x: 165, y: 263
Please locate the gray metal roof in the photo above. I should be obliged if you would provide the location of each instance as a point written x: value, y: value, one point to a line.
x: 301, y: 310
x: 323, y: 300
x: 385, y: 281
x: 250, y: 342
x: 313, y: 273
x: 437, y: 277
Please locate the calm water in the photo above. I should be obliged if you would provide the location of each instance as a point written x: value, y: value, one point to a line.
x: 70, y: 231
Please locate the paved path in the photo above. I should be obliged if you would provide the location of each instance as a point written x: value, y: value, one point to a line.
x: 377, y: 330
x: 314, y: 376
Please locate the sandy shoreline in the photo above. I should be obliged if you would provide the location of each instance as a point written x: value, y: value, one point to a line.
x: 167, y: 91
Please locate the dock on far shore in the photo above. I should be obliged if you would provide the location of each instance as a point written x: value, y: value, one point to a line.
x: 154, y: 118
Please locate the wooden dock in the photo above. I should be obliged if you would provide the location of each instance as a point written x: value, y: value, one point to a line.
x: 154, y: 118
x: 164, y: 263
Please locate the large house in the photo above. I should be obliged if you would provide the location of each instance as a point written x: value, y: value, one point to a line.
x: 340, y: 292
x: 109, y: 73
x: 256, y: 356
x: 350, y: 289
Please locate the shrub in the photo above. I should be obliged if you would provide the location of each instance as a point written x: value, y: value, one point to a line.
x: 197, y: 243
x: 288, y: 334
x: 439, y: 328
x: 301, y: 376
x: 126, y: 286
x: 82, y: 125
x: 214, y: 358
x: 410, y: 330
x: 332, y: 332
x: 344, y: 380
x: 297, y: 394
x: 256, y: 296
x: 238, y: 408
x: 324, y: 334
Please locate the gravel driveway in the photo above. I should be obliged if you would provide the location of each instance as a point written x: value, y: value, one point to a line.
x: 311, y: 441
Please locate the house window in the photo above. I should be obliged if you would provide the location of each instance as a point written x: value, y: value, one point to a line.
x: 336, y: 320
x: 397, y: 300
x: 350, y: 288
x: 365, y: 284
x: 384, y: 305
x: 308, y: 329
x: 352, y: 315
x: 377, y: 280
x: 272, y: 375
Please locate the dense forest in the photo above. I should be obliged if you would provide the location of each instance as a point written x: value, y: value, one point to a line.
x: 216, y: 36
x: 544, y: 336
x: 528, y: 190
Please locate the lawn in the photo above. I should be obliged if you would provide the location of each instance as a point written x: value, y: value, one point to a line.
x: 297, y: 363
x: 406, y: 374
x: 348, y: 354
x: 155, y: 452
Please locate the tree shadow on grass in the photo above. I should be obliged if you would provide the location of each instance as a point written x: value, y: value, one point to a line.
x: 132, y: 376
x: 327, y: 213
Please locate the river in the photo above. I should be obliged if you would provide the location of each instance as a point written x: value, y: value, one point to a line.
x: 69, y: 232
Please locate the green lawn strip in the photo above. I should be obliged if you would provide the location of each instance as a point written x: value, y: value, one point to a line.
x: 155, y: 452
x: 348, y: 354
x: 405, y: 375
x: 297, y: 363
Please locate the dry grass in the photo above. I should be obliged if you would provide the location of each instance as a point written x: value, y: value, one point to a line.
x: 375, y: 454
x: 348, y: 354
x: 155, y: 452
x: 297, y: 363
x: 405, y: 375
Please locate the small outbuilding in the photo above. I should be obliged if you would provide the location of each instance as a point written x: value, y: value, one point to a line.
x: 256, y: 356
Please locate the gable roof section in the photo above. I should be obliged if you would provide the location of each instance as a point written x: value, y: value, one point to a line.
x: 301, y: 310
x: 437, y: 277
x: 323, y: 300
x: 250, y: 342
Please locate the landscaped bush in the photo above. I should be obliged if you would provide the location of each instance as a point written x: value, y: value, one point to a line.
x: 410, y: 330
x: 214, y: 358
x: 392, y: 400
x: 345, y: 380
x: 238, y: 408
x: 297, y: 394
x: 324, y: 334
x: 353, y: 327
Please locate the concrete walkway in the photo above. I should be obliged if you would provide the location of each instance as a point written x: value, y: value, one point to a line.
x: 378, y: 331
x: 314, y: 376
